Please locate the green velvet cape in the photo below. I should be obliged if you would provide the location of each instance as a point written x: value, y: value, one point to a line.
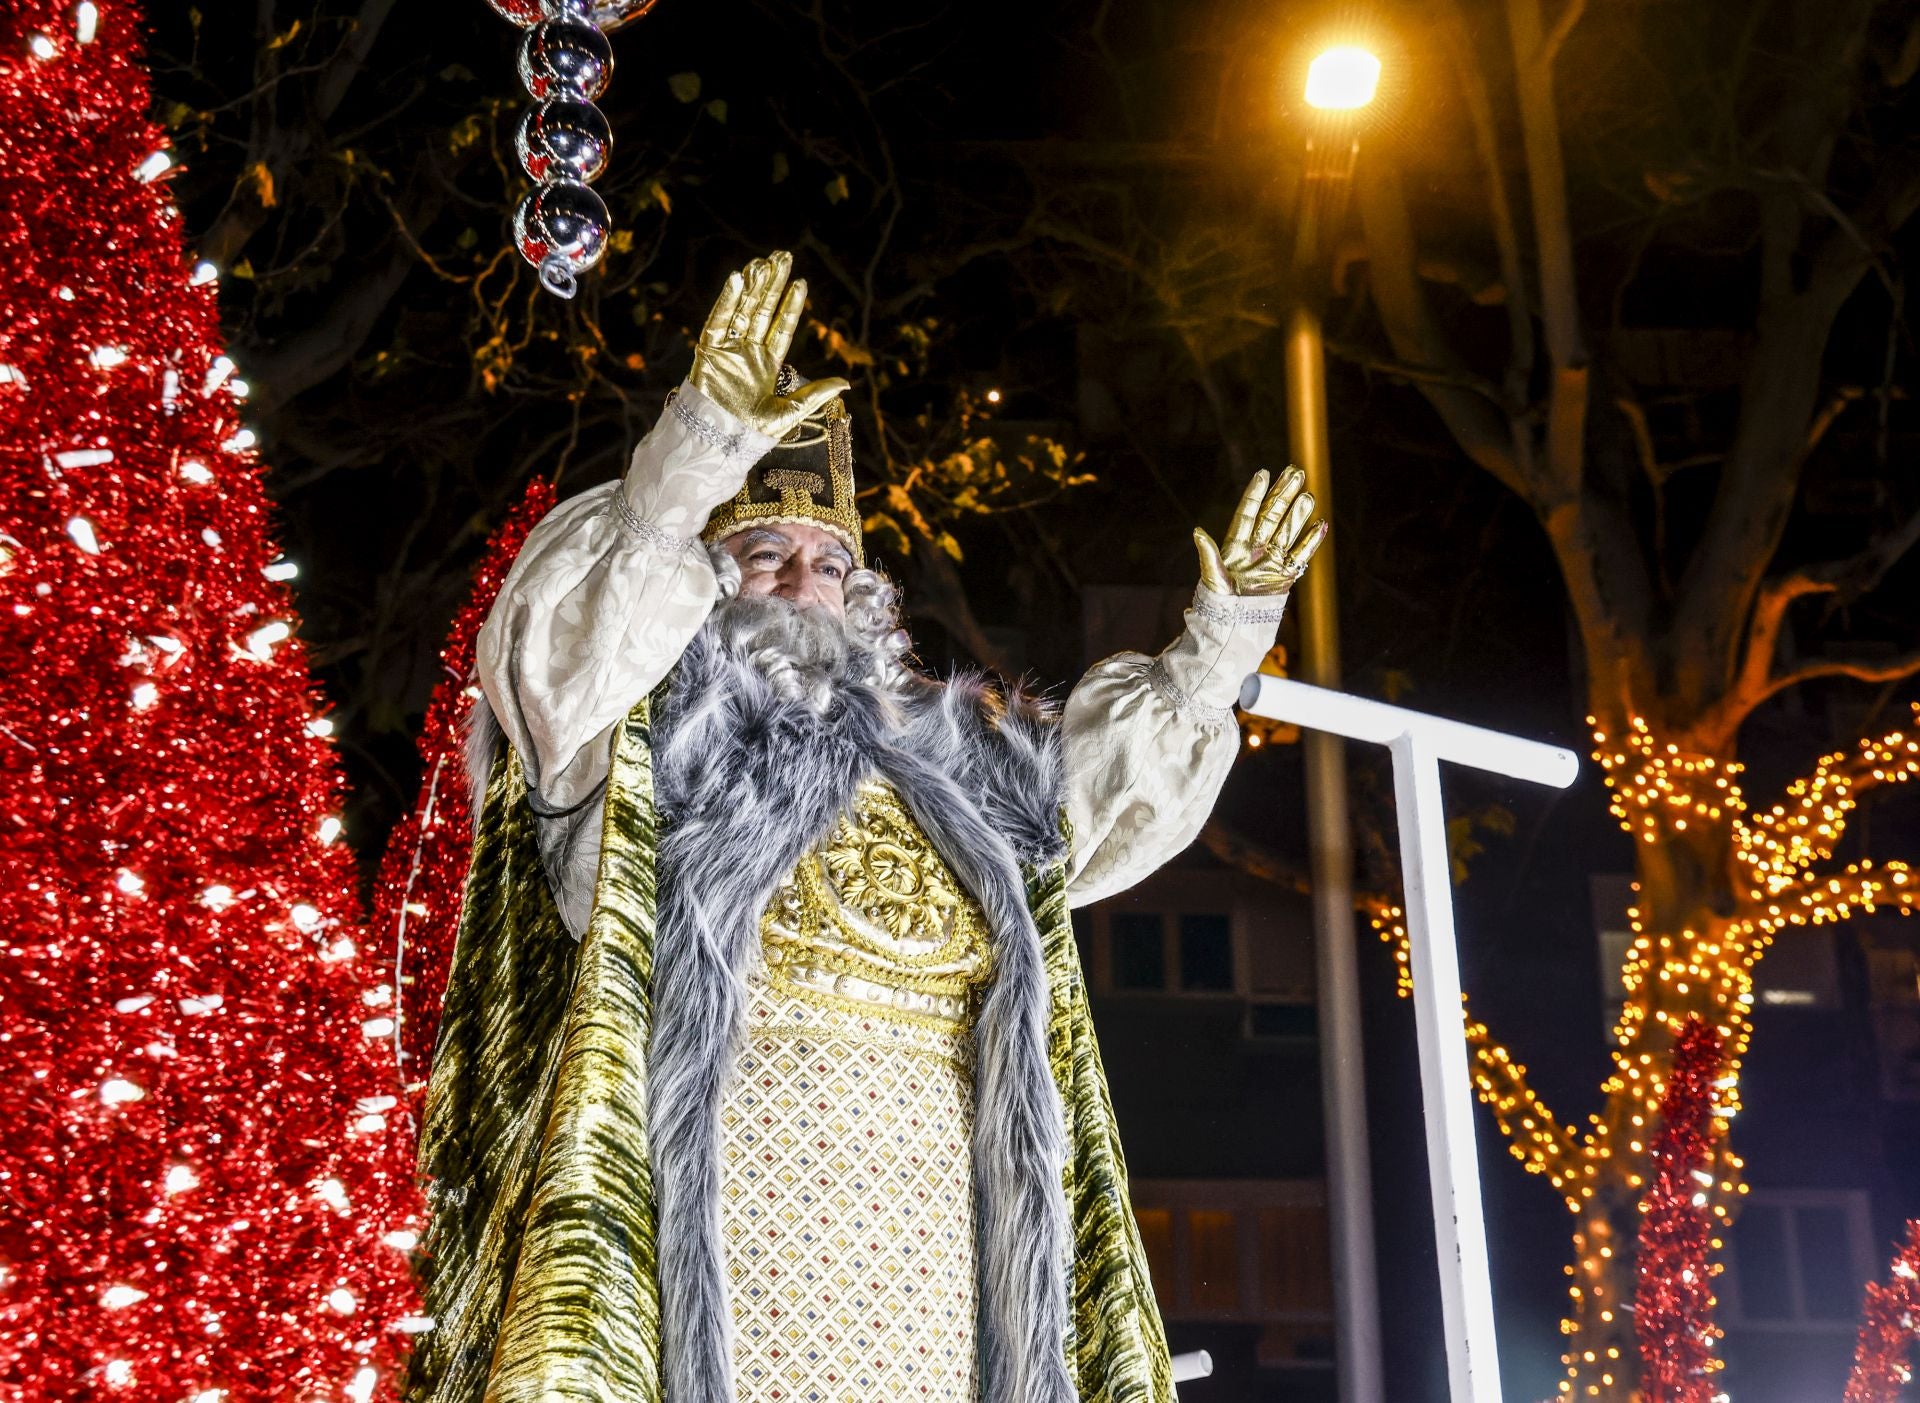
x: 538, y: 1265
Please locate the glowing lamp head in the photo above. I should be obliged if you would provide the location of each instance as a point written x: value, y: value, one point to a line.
x: 1342, y: 79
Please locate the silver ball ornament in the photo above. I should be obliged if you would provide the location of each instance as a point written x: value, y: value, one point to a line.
x: 564, y: 140
x: 521, y: 12
x: 562, y: 230
x: 565, y: 58
x: 609, y: 15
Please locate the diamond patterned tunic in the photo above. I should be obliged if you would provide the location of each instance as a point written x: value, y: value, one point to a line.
x: 846, y: 1182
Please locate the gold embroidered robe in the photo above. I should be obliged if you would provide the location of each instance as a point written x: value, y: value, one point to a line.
x: 846, y: 1183
x: 541, y: 1269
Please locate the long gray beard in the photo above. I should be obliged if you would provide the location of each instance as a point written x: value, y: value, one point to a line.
x: 805, y: 653
x: 746, y: 783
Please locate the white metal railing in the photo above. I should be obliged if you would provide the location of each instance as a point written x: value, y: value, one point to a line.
x: 1419, y: 743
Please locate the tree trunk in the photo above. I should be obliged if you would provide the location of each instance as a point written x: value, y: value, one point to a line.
x: 1646, y: 690
x: 1686, y: 899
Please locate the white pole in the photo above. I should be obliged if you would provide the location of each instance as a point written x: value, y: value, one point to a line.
x: 1188, y: 1367
x: 1419, y: 743
x: 1343, y: 1068
x: 1453, y: 1166
x: 1357, y: 718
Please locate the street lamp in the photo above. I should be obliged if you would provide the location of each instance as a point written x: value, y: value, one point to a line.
x: 1340, y: 81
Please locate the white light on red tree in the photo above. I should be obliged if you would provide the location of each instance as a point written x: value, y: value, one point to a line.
x: 201, y: 1193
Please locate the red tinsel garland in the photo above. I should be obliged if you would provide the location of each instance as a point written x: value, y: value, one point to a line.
x: 204, y: 1194
x: 416, y: 899
x: 1889, y: 1323
x: 1673, y: 1300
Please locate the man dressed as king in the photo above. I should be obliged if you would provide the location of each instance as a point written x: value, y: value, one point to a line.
x: 765, y: 1073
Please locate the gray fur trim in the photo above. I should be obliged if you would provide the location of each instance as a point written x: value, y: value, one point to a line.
x: 483, y: 737
x: 1002, y: 748
x: 747, y: 783
x: 569, y: 841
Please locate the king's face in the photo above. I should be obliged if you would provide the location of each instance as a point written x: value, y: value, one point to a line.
x: 802, y: 564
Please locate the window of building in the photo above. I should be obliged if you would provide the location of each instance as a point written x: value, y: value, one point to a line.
x: 1797, y: 1258
x: 1210, y: 937
x: 1166, y: 952
x: 1243, y: 1252
x: 1206, y: 951
x: 1137, y: 951
x: 1288, y: 1021
x: 1893, y: 973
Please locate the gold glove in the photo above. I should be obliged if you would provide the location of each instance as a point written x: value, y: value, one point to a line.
x: 745, y: 341
x: 1265, y: 552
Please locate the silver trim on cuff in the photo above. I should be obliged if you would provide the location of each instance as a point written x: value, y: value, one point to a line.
x: 1183, y: 704
x: 728, y: 444
x: 1233, y: 610
x: 651, y: 532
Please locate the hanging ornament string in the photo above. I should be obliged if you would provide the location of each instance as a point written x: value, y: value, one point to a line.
x: 563, y: 227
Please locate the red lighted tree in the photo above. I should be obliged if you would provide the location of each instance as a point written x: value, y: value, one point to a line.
x: 202, y: 1193
x: 416, y: 901
x: 1891, y: 1324
x: 1673, y: 1306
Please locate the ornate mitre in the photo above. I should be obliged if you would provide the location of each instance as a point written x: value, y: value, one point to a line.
x: 805, y: 477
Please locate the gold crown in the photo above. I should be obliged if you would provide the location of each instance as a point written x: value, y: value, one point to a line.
x: 805, y: 477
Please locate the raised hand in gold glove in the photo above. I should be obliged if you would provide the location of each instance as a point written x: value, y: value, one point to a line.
x: 744, y: 343
x: 1269, y: 543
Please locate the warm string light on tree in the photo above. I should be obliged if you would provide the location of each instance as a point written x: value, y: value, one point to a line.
x: 1673, y: 1307
x: 206, y: 1196
x: 417, y: 895
x: 1390, y: 924
x: 1663, y: 794
x: 1882, y: 1359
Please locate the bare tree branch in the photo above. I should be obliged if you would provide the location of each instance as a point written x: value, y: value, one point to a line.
x: 1829, y: 413
x: 1847, y: 579
x: 296, y: 364
x: 1557, y: 36
x: 1553, y: 244
x: 1859, y: 669
x: 1506, y: 237
x: 1244, y: 855
x: 1780, y: 392
x: 1860, y: 574
x: 1483, y: 433
x: 1425, y: 375
x: 275, y: 147
x: 1754, y: 682
x: 1853, y: 247
x: 345, y: 66
x: 1636, y: 417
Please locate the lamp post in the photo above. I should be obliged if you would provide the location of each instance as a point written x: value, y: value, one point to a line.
x: 1340, y: 82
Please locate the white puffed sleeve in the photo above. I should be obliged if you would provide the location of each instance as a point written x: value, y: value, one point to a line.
x: 1148, y: 742
x: 606, y: 594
